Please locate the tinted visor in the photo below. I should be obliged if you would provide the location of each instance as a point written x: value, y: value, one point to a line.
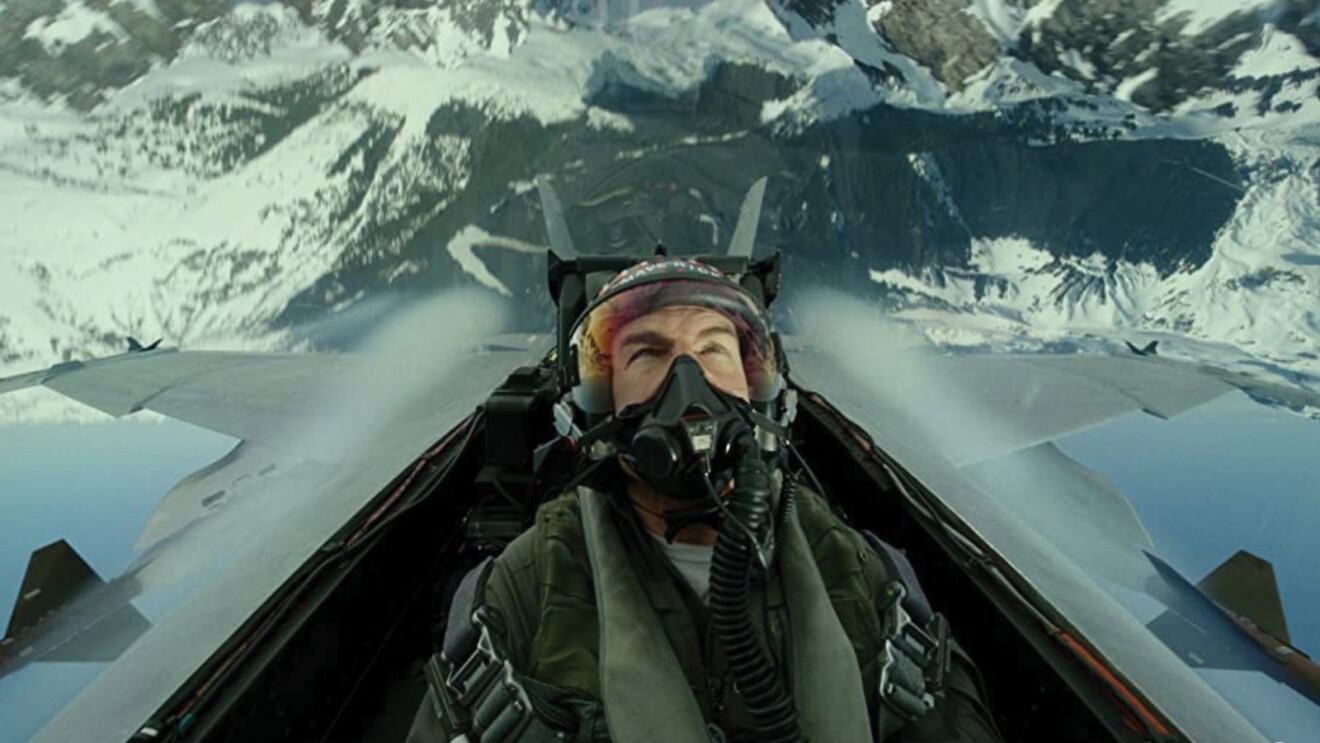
x: 593, y: 336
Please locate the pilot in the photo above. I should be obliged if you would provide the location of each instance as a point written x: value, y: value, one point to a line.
x: 694, y: 589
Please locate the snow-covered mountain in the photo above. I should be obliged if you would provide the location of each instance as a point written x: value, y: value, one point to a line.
x: 1007, y: 174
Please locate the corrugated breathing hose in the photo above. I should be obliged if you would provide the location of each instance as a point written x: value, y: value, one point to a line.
x: 747, y: 513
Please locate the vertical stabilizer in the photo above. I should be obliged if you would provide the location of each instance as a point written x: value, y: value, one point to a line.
x: 56, y: 574
x: 1244, y: 585
x: 749, y: 216
x: 555, y: 226
x: 64, y: 614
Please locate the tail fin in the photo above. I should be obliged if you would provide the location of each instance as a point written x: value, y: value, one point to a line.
x: 56, y: 574
x: 133, y: 344
x: 555, y: 225
x: 749, y: 216
x: 56, y: 577
x: 1244, y: 585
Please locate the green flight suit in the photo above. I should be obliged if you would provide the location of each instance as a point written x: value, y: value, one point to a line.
x: 541, y: 594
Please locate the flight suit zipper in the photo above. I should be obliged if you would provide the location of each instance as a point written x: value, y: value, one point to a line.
x: 716, y: 688
x: 713, y: 683
x: 716, y: 684
x: 718, y: 694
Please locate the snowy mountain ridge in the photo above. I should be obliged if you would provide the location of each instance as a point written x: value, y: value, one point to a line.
x: 1261, y: 301
x: 258, y: 168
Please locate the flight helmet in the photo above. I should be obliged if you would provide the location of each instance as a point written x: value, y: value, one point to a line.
x: 656, y: 284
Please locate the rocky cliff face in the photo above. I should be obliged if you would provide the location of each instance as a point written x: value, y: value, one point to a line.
x: 77, y: 51
x: 1044, y: 168
x: 1156, y: 53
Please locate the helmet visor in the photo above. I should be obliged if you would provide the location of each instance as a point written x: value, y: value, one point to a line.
x: 594, y: 335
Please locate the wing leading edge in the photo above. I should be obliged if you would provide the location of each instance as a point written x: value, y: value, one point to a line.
x: 249, y: 396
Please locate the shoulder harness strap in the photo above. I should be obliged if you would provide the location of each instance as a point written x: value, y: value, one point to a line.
x: 460, y: 640
x: 478, y: 695
x: 915, y: 602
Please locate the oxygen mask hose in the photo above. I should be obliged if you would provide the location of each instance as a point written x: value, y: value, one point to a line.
x: 746, y: 529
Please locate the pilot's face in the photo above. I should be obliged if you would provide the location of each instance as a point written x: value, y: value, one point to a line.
x: 644, y: 349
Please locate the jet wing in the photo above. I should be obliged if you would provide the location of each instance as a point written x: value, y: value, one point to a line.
x: 257, y: 542
x: 974, y: 431
x: 1020, y: 401
x: 972, y: 407
x: 250, y: 396
x: 322, y: 434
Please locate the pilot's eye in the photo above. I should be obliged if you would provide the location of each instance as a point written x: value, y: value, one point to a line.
x: 716, y: 348
x: 650, y: 351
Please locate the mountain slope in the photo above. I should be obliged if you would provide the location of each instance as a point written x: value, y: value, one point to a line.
x: 1009, y: 174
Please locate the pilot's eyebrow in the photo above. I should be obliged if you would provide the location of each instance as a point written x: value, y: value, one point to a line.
x: 653, y: 338
x: 717, y: 330
x: 647, y: 338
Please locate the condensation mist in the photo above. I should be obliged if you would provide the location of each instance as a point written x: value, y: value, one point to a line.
x: 398, y: 365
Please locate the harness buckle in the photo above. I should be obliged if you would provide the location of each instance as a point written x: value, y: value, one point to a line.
x: 914, y: 664
x: 469, y: 677
x: 480, y: 697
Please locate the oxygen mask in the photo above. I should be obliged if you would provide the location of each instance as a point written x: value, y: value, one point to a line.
x: 680, y: 438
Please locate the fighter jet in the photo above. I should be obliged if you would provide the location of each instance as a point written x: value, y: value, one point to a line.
x: 1150, y: 349
x: 135, y: 345
x: 321, y: 559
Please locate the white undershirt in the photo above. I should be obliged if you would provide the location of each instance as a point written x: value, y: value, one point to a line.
x: 692, y: 562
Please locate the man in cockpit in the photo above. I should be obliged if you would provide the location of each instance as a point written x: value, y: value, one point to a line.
x: 695, y: 590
